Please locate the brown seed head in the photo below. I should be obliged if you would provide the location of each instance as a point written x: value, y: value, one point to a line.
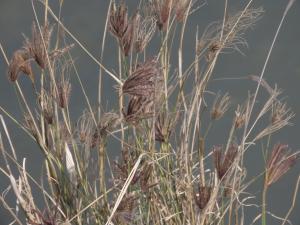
x: 45, y: 101
x: 127, y: 41
x: 162, y: 10
x: 64, y: 90
x: 280, y: 111
x: 39, y: 44
x: 118, y: 20
x: 224, y: 161
x: 279, y: 162
x: 20, y: 62
x: 181, y: 8
x: 202, y: 197
x: 220, y: 106
x: 240, y: 117
x: 138, y: 108
x: 145, y: 81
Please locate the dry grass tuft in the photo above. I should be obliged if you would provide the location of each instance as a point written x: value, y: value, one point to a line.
x: 166, y: 172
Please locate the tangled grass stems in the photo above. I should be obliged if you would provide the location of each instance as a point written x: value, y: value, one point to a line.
x: 163, y: 173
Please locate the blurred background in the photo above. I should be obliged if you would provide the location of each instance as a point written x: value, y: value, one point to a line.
x: 86, y: 19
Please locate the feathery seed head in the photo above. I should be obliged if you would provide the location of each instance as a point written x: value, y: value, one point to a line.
x: 127, y: 41
x: 224, y: 161
x: 181, y: 8
x: 64, y: 90
x: 145, y: 81
x: 20, y: 62
x: 220, y: 106
x: 45, y: 101
x: 85, y: 129
x: 279, y: 162
x: 145, y: 30
x: 280, y: 111
x: 240, y: 117
x: 138, y: 108
x: 118, y: 20
x: 39, y: 44
x: 162, y: 10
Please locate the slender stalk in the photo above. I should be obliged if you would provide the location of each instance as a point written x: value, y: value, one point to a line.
x: 264, y: 202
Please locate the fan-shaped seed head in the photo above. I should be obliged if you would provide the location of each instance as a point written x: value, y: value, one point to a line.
x: 118, y: 20
x: 145, y: 81
x: 279, y: 162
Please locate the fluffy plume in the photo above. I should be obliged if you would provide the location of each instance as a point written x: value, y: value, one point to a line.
x: 145, y: 81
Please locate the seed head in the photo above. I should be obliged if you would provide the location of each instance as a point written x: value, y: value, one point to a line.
x: 107, y: 122
x: 138, y: 108
x: 220, y: 106
x: 240, y: 117
x: 279, y: 162
x: 280, y: 111
x: 162, y: 10
x: 145, y: 30
x: 181, y: 8
x: 281, y: 116
x: 45, y: 101
x: 39, y: 44
x: 64, y: 90
x: 20, y: 62
x: 145, y: 81
x: 85, y: 129
x: 224, y: 161
x: 118, y: 20
x: 202, y: 196
x: 128, y: 38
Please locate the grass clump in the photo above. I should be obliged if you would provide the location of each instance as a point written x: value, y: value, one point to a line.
x: 166, y: 173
